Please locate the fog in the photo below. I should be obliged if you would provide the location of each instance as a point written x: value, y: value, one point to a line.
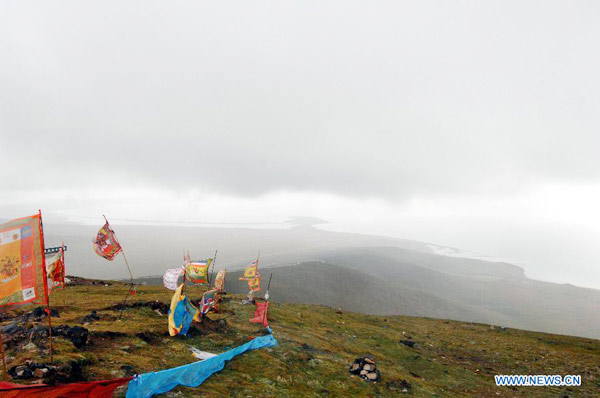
x: 466, y: 124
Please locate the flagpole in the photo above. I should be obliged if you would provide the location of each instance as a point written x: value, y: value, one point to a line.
x: 269, y: 285
x: 45, y: 276
x: 213, y: 268
x: 3, y: 359
x: 122, y: 251
x: 184, y: 269
x: 131, y: 284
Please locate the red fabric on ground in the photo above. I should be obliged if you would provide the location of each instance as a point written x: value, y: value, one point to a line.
x: 92, y: 389
x: 260, y: 314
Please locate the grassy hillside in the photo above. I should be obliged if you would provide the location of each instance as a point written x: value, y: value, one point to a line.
x: 316, y: 347
x: 386, y: 276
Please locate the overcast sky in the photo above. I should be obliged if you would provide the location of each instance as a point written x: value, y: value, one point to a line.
x: 469, y: 124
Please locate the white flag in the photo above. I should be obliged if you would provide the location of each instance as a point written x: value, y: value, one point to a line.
x: 170, y: 278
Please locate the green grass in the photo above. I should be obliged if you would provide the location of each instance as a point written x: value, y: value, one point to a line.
x: 316, y: 347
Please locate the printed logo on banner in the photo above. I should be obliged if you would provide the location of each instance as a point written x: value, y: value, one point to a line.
x: 11, y: 236
x: 28, y: 294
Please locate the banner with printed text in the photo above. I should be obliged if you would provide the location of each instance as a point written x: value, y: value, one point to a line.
x: 21, y: 262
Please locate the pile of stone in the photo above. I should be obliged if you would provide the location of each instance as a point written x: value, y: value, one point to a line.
x: 32, y: 370
x: 365, y: 367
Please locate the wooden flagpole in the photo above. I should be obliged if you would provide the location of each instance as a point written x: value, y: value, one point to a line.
x: 185, y: 268
x: 46, y: 290
x: 269, y: 285
x: 3, y: 359
x: 131, y: 284
x: 213, y: 268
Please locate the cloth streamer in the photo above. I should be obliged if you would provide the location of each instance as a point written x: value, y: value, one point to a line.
x: 181, y: 313
x: 92, y: 389
x: 191, y: 375
x: 171, y: 277
x: 260, y: 314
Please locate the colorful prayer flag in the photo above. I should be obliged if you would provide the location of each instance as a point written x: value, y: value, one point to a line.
x: 106, y: 244
x: 251, y: 270
x: 209, y: 300
x: 254, y: 283
x: 171, y: 278
x: 21, y: 261
x: 197, y: 271
x: 55, y: 271
x: 220, y: 280
x: 181, y: 313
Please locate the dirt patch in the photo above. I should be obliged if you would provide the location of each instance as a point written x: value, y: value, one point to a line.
x: 157, y: 306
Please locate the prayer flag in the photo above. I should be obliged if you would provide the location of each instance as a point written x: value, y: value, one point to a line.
x: 220, y: 280
x: 55, y: 271
x: 181, y: 313
x: 254, y: 283
x: 197, y: 271
x: 260, y: 314
x: 251, y: 270
x: 209, y: 300
x: 171, y: 278
x: 106, y: 244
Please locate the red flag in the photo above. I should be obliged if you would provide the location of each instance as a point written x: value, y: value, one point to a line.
x: 260, y: 314
x: 105, y: 244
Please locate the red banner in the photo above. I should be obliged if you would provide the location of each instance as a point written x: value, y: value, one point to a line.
x: 260, y: 314
x: 22, y: 261
x: 92, y: 389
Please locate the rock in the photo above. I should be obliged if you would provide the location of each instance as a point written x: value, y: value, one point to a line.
x: 40, y: 312
x: 398, y: 385
x: 39, y: 373
x: 408, y: 343
x: 20, y: 372
x: 365, y: 368
x: 30, y: 347
x: 91, y: 317
x: 11, y: 329
x: 78, y: 336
